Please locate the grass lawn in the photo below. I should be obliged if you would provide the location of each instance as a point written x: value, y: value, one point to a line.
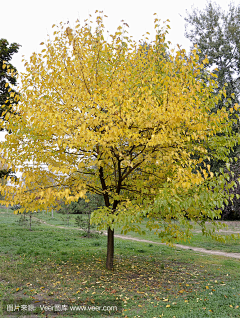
x: 149, y: 280
x: 197, y: 240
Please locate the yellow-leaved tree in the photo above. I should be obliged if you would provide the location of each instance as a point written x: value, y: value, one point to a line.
x: 126, y: 121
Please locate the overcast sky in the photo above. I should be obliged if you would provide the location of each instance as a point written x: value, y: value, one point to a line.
x: 28, y: 22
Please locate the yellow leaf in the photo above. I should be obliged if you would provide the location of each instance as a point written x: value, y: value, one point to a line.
x: 7, y: 116
x: 236, y: 106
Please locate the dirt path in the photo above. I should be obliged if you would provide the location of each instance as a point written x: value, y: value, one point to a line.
x: 178, y: 246
x: 196, y: 249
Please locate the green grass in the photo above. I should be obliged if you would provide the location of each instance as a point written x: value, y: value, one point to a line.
x: 151, y: 280
x: 197, y: 240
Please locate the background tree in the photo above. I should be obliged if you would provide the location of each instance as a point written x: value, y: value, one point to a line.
x: 92, y: 202
x: 103, y: 117
x: 7, y: 76
x: 217, y: 34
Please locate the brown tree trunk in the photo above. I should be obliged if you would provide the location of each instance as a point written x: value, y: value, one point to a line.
x: 88, y: 225
x: 30, y: 221
x: 110, y: 249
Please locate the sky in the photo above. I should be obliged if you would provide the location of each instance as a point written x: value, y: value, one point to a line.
x: 29, y: 22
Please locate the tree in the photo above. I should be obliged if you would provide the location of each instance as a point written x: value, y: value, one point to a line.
x: 7, y: 76
x: 92, y: 202
x: 216, y: 33
x: 106, y: 117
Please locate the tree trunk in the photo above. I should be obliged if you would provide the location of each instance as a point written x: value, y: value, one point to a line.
x: 110, y: 249
x: 30, y: 221
x: 88, y: 230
